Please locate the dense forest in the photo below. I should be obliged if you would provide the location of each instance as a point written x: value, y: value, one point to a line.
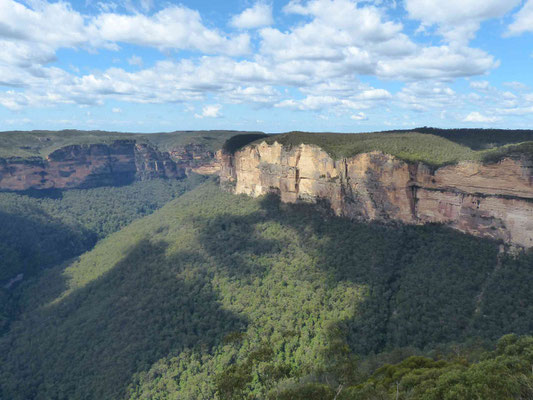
x: 216, y: 296
x: 41, y: 229
x: 434, y: 147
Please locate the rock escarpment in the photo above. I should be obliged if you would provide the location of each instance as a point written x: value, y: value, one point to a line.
x: 84, y: 166
x: 488, y: 200
x: 196, y: 158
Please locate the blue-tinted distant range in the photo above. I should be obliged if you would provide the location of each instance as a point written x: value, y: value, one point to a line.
x: 318, y: 65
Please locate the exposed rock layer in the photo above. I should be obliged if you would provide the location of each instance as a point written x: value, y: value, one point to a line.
x: 83, y: 166
x: 196, y: 158
x: 489, y: 200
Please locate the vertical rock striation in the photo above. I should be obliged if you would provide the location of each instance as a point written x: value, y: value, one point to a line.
x: 488, y: 200
x: 196, y: 158
x: 84, y: 166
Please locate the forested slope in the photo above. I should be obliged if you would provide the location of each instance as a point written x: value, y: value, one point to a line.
x: 222, y: 296
x: 42, y: 229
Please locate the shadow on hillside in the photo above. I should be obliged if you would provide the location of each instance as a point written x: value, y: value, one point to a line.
x: 41, y: 193
x: 421, y: 281
x: 149, y: 305
x: 28, y: 245
x: 421, y: 288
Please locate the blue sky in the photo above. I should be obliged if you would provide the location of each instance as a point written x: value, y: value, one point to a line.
x: 274, y: 66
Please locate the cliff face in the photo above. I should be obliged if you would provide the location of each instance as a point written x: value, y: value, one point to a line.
x: 196, y: 158
x: 492, y: 200
x: 83, y: 166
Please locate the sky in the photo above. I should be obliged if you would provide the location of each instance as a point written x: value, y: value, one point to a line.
x: 272, y: 66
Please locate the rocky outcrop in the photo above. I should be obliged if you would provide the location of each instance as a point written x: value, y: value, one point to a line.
x: 488, y: 200
x: 196, y: 158
x: 150, y: 164
x: 83, y: 166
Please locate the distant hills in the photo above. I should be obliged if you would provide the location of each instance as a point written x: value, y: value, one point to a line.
x: 42, y: 143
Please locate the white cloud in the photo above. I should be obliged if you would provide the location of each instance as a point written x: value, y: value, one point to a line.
x: 147, y: 5
x: 373, y: 94
x: 135, y: 60
x: 480, y: 85
x: 210, y: 111
x: 444, y: 62
x: 424, y: 96
x: 51, y: 24
x: 359, y: 117
x: 321, y: 55
x: 255, y: 17
x: 310, y: 103
x: 338, y: 29
x: 529, y: 97
x: 458, y: 20
x: 344, y: 37
x: 116, y: 110
x: 174, y: 27
x: 516, y: 85
x: 480, y: 118
x: 523, y: 20
x: 509, y: 95
x: 524, y: 110
x: 56, y: 25
x: 261, y: 95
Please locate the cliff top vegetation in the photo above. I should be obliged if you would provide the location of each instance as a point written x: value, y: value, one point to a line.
x: 432, y: 146
x: 40, y: 143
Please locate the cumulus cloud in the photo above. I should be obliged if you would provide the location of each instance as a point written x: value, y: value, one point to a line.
x: 260, y: 95
x: 523, y: 20
x: 480, y: 85
x: 258, y: 16
x: 57, y: 25
x: 520, y: 111
x: 458, y: 20
x: 359, y: 117
x: 423, y: 96
x: 135, y: 60
x: 476, y: 116
x: 51, y: 24
x: 210, y: 111
x: 516, y: 85
x: 443, y: 62
x: 344, y: 37
x: 321, y: 55
x: 174, y: 27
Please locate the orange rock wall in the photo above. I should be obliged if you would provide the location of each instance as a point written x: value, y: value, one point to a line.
x: 82, y: 166
x: 492, y: 200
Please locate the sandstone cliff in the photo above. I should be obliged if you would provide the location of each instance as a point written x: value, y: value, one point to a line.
x: 83, y: 166
x: 196, y: 158
x: 488, y: 200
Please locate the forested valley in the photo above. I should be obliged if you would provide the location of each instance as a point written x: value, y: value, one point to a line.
x: 217, y: 296
x: 40, y: 229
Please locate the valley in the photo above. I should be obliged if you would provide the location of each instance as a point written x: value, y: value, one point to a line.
x: 294, y: 271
